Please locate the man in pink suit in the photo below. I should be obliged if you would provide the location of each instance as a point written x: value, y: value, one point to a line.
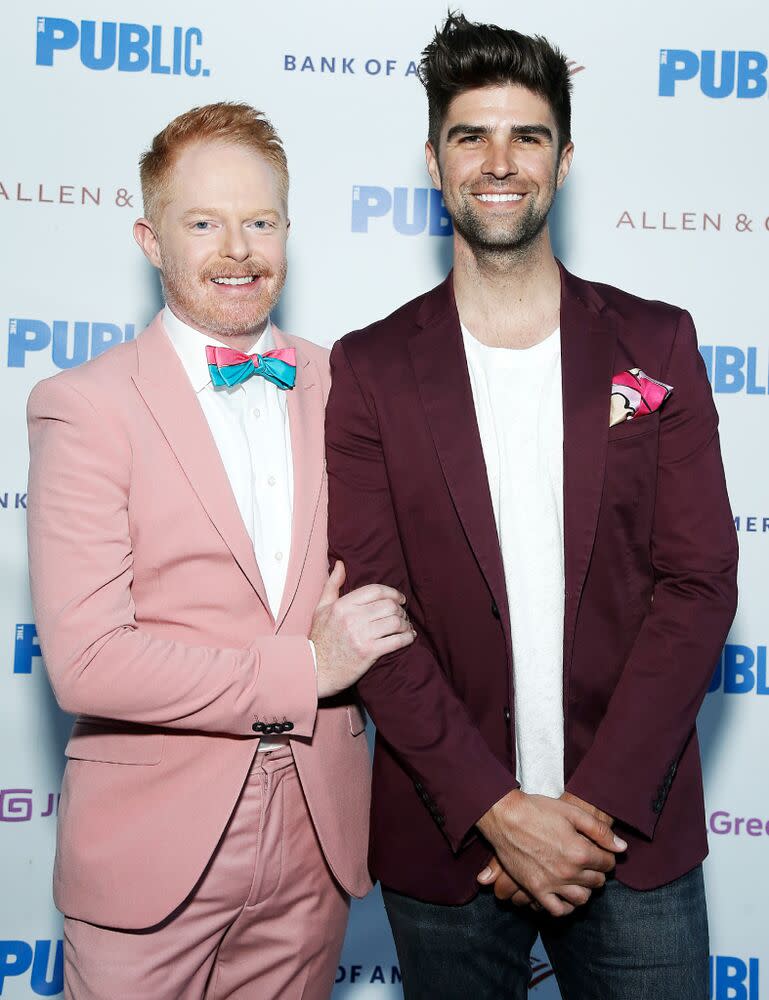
x: 214, y: 812
x: 507, y: 450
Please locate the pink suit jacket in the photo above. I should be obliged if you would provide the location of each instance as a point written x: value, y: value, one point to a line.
x: 156, y: 630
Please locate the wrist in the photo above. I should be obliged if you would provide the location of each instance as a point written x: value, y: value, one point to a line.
x: 489, y: 822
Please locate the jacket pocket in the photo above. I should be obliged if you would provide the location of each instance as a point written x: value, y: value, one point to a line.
x: 114, y: 743
x: 647, y: 424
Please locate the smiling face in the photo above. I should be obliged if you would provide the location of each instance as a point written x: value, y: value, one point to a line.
x: 498, y: 166
x: 220, y: 239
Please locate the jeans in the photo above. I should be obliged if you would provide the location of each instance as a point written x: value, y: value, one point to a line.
x: 623, y: 944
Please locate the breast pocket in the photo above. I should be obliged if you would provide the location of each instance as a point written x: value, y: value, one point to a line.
x: 637, y: 427
x: 114, y: 743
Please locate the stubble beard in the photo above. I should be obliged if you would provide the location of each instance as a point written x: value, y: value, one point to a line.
x: 498, y: 242
x: 191, y: 295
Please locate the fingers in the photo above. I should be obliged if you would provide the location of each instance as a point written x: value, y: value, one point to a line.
x: 596, y: 830
x: 585, y: 857
x: 391, y: 643
x: 383, y: 609
x: 593, y: 880
x: 490, y: 873
x: 333, y: 585
x: 375, y: 592
x: 506, y: 888
x: 555, y: 906
x: 393, y: 625
x: 577, y: 895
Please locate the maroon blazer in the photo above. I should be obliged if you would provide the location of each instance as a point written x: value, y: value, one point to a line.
x: 650, y: 553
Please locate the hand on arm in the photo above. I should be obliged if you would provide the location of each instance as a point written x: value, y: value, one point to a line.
x: 350, y: 633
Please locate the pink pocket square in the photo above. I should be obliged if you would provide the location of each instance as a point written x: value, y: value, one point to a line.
x: 634, y: 394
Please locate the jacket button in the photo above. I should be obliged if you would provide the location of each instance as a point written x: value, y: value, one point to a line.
x: 287, y: 727
x: 507, y: 715
x: 495, y: 610
x: 258, y: 727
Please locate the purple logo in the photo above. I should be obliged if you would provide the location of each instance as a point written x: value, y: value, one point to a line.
x: 17, y: 805
x: 723, y: 823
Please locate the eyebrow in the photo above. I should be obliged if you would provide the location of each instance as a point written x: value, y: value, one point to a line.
x: 463, y: 128
x: 259, y: 213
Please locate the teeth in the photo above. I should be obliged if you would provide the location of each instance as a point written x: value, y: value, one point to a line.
x: 499, y: 197
x: 233, y: 281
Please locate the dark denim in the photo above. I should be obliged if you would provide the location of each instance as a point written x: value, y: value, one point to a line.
x: 622, y: 945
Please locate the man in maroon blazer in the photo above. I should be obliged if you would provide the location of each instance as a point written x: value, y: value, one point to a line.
x: 534, y: 460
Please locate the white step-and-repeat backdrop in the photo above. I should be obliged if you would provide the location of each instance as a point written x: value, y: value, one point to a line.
x: 667, y: 198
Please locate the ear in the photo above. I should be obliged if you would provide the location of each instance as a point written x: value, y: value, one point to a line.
x: 432, y: 164
x: 146, y: 237
x: 567, y: 155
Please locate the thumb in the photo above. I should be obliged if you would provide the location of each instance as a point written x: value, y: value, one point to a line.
x: 490, y: 873
x: 333, y: 585
x: 599, y: 832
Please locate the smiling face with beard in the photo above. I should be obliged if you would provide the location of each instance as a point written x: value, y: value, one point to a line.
x: 220, y: 240
x: 499, y: 166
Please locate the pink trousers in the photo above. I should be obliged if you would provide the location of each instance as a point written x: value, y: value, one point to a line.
x: 265, y: 922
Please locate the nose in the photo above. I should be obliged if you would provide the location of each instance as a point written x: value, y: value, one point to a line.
x: 500, y: 159
x: 234, y: 244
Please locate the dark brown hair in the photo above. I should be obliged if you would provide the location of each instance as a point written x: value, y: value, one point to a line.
x: 464, y: 55
x: 227, y: 122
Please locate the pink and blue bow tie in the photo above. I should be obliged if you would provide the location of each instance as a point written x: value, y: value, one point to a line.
x: 229, y: 367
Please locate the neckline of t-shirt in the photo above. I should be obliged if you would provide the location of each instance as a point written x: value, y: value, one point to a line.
x: 515, y: 356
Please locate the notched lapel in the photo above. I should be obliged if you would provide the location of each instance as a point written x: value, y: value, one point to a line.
x: 588, y: 339
x: 305, y: 415
x: 166, y: 390
x: 440, y: 366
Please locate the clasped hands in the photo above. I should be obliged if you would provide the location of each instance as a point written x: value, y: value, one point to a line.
x: 549, y: 853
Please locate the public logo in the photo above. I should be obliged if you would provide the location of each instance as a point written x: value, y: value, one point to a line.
x: 20, y: 805
x: 26, y: 649
x: 723, y: 824
x: 123, y: 46
x: 737, y: 369
x: 40, y: 964
x: 410, y: 211
x: 733, y: 978
x: 69, y: 343
x: 741, y: 670
x: 727, y: 73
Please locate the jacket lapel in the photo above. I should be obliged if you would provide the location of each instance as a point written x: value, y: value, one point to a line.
x: 166, y: 390
x: 305, y: 414
x: 588, y: 339
x: 440, y: 366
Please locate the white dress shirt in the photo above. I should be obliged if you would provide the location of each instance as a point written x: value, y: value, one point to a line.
x: 518, y: 404
x: 250, y: 426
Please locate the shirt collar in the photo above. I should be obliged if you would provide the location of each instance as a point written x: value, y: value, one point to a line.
x: 190, y: 345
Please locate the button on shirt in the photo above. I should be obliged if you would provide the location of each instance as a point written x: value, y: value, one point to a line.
x: 518, y: 405
x: 250, y: 426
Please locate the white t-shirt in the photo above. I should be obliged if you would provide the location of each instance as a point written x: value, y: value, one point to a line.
x: 518, y: 405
